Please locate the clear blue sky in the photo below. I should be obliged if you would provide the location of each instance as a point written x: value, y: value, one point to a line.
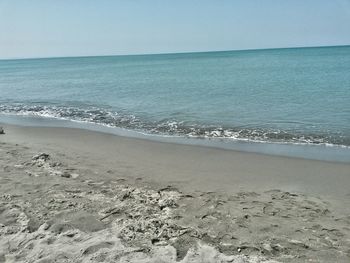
x: 45, y: 28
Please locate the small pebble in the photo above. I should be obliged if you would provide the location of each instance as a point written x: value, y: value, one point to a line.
x: 66, y: 175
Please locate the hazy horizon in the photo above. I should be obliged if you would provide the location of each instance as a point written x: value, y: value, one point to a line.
x: 173, y: 53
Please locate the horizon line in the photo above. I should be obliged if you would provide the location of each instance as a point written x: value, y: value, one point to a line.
x: 170, y: 53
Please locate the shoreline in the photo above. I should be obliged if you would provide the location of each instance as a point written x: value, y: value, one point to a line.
x: 77, y: 195
x: 158, y: 156
x: 321, y: 152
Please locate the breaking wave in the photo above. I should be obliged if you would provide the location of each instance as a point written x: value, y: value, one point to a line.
x: 122, y: 119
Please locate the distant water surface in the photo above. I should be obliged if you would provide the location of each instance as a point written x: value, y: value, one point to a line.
x: 299, y: 96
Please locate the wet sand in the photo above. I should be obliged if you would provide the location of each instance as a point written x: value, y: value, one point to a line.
x: 102, y: 198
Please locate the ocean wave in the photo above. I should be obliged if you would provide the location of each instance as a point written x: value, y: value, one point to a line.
x: 112, y: 118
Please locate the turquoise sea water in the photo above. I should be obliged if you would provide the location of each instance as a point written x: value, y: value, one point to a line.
x: 299, y: 95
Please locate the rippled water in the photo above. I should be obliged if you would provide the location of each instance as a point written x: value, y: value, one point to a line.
x: 283, y: 95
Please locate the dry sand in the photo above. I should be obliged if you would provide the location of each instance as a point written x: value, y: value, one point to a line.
x: 70, y: 195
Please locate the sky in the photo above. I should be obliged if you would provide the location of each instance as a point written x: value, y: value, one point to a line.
x: 54, y: 28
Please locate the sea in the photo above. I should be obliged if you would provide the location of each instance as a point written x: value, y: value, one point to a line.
x: 291, y: 101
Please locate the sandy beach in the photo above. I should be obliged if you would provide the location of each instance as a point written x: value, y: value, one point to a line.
x: 73, y: 195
